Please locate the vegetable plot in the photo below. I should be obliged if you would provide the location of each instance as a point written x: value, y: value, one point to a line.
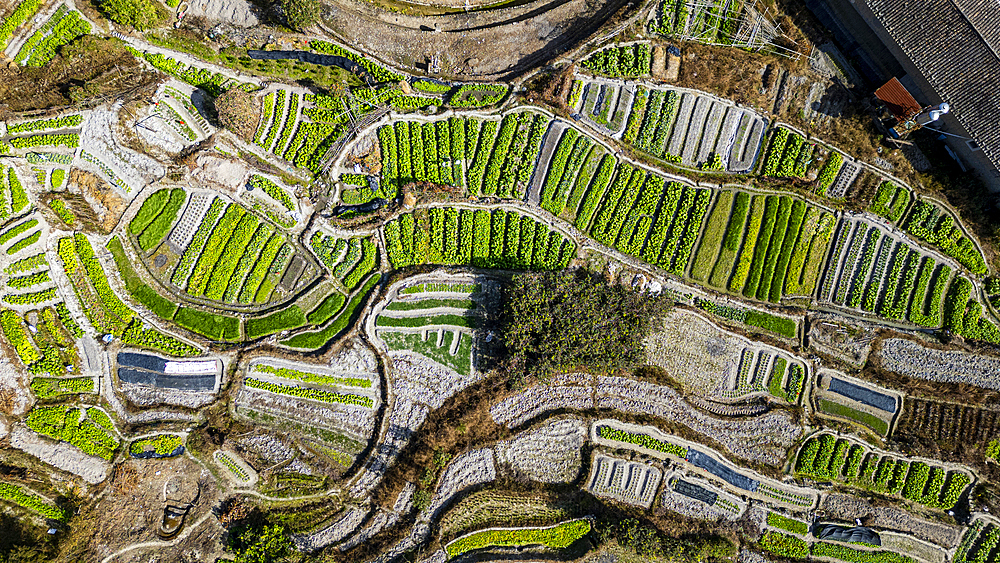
x: 620, y: 61
x: 482, y: 238
x: 826, y: 457
x: 560, y: 536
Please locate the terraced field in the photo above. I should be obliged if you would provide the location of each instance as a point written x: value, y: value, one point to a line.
x: 681, y: 127
x: 873, y: 271
x: 234, y: 256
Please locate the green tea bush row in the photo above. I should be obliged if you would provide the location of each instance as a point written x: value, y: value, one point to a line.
x: 308, y: 393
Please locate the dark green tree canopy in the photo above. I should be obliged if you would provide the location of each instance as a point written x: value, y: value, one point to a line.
x: 558, y: 320
x: 301, y: 13
x: 138, y: 14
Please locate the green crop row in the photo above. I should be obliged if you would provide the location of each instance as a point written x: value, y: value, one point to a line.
x: 30, y: 298
x: 18, y: 496
x: 377, y: 72
x: 309, y: 377
x: 478, y: 95
x: 620, y: 61
x: 63, y: 422
x: 162, y: 445
x: 63, y: 122
x: 269, y: 257
x: 194, y: 248
x: 642, y: 440
x: 557, y: 537
x: 309, y: 393
x: 788, y: 524
x: 12, y: 232
x: 71, y: 140
x: 784, y: 545
x: 828, y: 173
x: 876, y: 424
x: 160, y: 225
x: 285, y: 319
x: 773, y: 323
x: 930, y: 223
x: 28, y: 263
x: 17, y: 335
x: 24, y: 243
x: 50, y: 387
x: 418, y: 322
x: 772, y: 159
x: 232, y: 466
x: 497, y: 239
x: 890, y: 201
x: 828, y: 458
x: 22, y: 13
x: 58, y: 206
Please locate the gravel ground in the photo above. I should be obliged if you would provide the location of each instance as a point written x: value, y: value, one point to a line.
x: 332, y: 533
x: 60, y: 454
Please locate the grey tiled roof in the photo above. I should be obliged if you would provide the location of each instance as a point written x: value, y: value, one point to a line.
x: 956, y: 45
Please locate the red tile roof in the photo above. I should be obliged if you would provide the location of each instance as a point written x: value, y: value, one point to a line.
x: 898, y: 100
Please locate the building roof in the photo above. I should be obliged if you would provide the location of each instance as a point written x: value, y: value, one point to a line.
x: 956, y: 46
x: 900, y: 102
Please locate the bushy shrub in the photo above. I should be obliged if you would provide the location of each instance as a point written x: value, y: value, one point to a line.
x: 137, y: 14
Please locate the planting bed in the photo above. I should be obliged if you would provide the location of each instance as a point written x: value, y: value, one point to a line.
x: 690, y: 129
x: 856, y: 400
x: 877, y: 272
x: 947, y: 423
x: 630, y: 482
x: 763, y: 439
x: 482, y: 238
x: 697, y: 498
x: 718, y: 365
